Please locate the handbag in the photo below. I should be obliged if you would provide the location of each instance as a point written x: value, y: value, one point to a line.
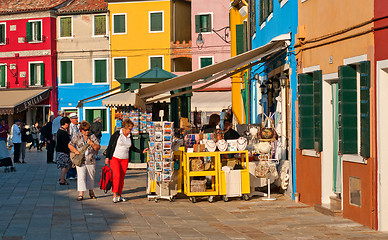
x: 76, y: 159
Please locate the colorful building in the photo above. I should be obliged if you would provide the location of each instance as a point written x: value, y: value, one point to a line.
x: 210, y: 23
x: 268, y: 20
x: 83, y: 57
x: 336, y: 115
x: 148, y: 34
x: 28, y: 59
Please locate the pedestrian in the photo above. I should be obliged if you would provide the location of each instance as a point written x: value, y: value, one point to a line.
x: 96, y: 129
x: 62, y: 148
x: 35, y: 136
x: 26, y: 138
x: 16, y: 140
x: 85, y: 173
x: 118, y: 154
x: 214, y: 120
x: 56, y: 123
x: 4, y: 154
x: 48, y: 136
x: 74, y: 130
x: 229, y: 132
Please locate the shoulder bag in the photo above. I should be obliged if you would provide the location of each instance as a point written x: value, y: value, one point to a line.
x: 76, y: 159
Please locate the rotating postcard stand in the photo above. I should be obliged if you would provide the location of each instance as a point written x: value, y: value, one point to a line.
x: 160, y: 164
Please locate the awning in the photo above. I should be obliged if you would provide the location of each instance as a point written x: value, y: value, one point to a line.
x: 213, y: 73
x: 211, y: 101
x: 17, y: 100
x: 121, y: 99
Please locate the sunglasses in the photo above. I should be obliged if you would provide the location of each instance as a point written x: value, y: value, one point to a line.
x: 86, y: 130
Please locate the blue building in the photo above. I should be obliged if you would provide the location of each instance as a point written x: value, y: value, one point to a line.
x: 270, y: 19
x: 84, y: 60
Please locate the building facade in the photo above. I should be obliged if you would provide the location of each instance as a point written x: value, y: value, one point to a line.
x: 84, y: 59
x: 268, y: 20
x: 28, y: 59
x: 336, y: 151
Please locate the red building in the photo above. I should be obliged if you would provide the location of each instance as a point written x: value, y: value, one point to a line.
x: 28, y: 70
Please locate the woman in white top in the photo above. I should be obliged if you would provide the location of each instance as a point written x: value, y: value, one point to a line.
x: 118, y: 154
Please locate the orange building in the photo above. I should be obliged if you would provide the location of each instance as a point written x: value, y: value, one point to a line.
x: 335, y: 155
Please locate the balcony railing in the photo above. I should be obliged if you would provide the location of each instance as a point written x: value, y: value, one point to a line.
x: 180, y: 49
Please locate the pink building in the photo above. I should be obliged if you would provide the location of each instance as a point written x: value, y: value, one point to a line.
x: 28, y: 59
x: 210, y: 18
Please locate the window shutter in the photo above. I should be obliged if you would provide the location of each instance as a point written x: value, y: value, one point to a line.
x: 317, y: 85
x: 29, y: 32
x: 197, y: 23
x: 32, y: 74
x: 156, y: 22
x: 347, y: 90
x: 66, y: 72
x: 306, y: 111
x: 2, y: 76
x: 156, y: 62
x: 119, y: 23
x: 120, y: 66
x: 39, y: 31
x: 103, y: 118
x: 100, y: 71
x: 42, y: 74
x: 365, y: 108
x: 270, y: 6
x: 206, y: 62
x: 100, y: 25
x: 205, y: 23
x: 66, y: 27
x: 261, y: 12
x: 240, y: 39
x: 2, y: 34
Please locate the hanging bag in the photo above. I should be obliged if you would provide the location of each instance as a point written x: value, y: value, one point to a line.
x: 76, y: 159
x: 106, y: 181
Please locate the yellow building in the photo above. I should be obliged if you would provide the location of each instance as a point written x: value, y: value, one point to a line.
x: 143, y: 33
x: 238, y: 26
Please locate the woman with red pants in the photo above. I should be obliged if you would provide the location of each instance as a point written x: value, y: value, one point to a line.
x: 118, y: 154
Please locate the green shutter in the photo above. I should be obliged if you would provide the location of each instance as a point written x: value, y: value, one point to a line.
x: 317, y: 85
x: 347, y: 98
x: 32, y: 75
x: 2, y: 76
x: 100, y: 25
x: 103, y: 117
x: 2, y: 34
x: 89, y: 115
x: 197, y: 23
x: 65, y: 27
x: 205, y: 23
x: 100, y: 71
x: 240, y: 39
x: 66, y: 72
x: 42, y: 74
x: 156, y: 22
x: 261, y: 12
x: 156, y: 62
x: 119, y: 23
x: 120, y: 66
x: 29, y: 32
x: 39, y: 31
x: 63, y: 72
x: 306, y: 111
x: 206, y: 62
x: 365, y: 108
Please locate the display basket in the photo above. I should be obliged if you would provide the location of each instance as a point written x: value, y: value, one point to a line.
x: 198, y: 185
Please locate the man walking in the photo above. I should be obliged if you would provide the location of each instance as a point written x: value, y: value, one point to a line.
x: 50, y: 144
x: 73, y: 130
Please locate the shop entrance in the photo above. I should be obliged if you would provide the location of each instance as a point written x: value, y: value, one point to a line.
x: 337, y: 163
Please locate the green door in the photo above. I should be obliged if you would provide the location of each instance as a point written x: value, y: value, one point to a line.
x: 337, y: 165
x: 141, y: 142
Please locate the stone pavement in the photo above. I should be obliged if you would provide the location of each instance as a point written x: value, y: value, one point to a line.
x: 34, y: 206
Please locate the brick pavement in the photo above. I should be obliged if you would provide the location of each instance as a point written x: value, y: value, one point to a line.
x: 34, y: 206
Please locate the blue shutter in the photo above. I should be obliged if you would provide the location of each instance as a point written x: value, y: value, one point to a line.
x: 365, y: 108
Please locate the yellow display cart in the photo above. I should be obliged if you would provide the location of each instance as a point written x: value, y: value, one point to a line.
x: 216, y: 181
x: 237, y: 181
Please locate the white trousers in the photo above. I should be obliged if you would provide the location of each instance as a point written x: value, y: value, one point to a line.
x: 85, y: 177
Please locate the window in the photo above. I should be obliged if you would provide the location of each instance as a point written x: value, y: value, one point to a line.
x: 252, y: 18
x: 3, y: 75
x: 265, y: 9
x: 354, y: 109
x: 91, y: 114
x: 34, y: 31
x: 100, y: 71
x: 119, y: 23
x: 68, y: 111
x: 355, y: 191
x: 310, y: 110
x: 241, y: 38
x: 205, y: 61
x: 156, y: 22
x: 36, y: 74
x: 120, y: 68
x: 66, y: 72
x: 203, y: 23
x: 156, y: 61
x: 65, y: 27
x: 3, y: 37
x: 100, y: 25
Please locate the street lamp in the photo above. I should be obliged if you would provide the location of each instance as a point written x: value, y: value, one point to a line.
x: 263, y: 88
x: 200, y: 40
x: 283, y: 80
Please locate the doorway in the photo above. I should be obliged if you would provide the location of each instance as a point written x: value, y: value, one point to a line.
x: 337, y: 163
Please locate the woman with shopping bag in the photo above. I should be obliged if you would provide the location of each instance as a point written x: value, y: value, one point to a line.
x: 85, y: 172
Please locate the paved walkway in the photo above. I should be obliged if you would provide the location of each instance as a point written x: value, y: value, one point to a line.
x: 34, y: 206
